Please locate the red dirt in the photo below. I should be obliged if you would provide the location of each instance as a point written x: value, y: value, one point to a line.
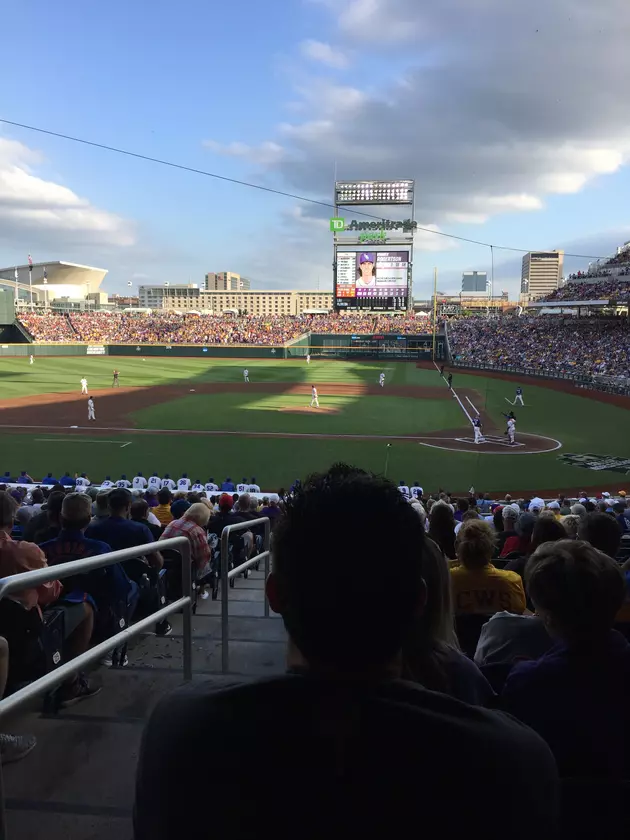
x: 323, y: 409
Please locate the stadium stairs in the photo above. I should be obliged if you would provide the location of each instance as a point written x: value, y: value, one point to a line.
x: 78, y: 783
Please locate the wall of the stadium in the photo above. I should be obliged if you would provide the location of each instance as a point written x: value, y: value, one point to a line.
x: 237, y: 351
x: 43, y: 349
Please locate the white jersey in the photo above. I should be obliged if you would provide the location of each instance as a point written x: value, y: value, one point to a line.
x: 416, y: 491
x: 211, y: 487
x: 404, y: 490
x: 183, y: 484
x: 246, y: 373
x: 84, y: 383
x: 253, y: 488
x: 381, y: 378
x: 242, y: 488
x: 139, y: 482
x: 168, y: 484
x: 154, y: 483
x: 314, y: 392
x: 82, y: 482
x: 91, y: 404
x: 123, y: 484
x: 308, y: 359
x: 107, y: 484
x: 511, y: 424
x: 197, y: 488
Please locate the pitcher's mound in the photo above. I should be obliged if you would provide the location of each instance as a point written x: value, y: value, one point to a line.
x: 308, y: 410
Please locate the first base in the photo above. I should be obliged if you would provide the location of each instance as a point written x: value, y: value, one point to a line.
x: 74, y: 427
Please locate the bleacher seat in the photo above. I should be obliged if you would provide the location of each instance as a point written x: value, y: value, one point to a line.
x: 35, y: 644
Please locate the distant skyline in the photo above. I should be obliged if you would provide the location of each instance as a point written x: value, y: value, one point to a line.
x: 512, y: 119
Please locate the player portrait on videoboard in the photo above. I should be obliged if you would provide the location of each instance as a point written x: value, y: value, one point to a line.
x: 366, y: 270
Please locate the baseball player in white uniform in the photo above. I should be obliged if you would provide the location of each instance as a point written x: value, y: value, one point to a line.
x: 381, y: 380
x: 139, y: 482
x: 246, y: 375
x: 211, y: 487
x: 308, y: 358
x: 416, y: 490
x: 243, y: 487
x: 167, y: 482
x: 478, y: 430
x: 123, y: 482
x: 84, y: 386
x: 511, y: 430
x: 314, y: 400
x: 184, y: 483
x: 197, y: 487
x: 30, y: 359
x: 107, y: 484
x: 253, y: 487
x: 155, y: 483
x: 402, y: 488
x: 91, y: 414
x: 81, y: 483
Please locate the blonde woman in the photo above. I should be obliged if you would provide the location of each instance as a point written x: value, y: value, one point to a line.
x: 432, y: 656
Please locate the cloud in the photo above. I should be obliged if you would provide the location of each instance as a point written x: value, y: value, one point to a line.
x: 266, y: 154
x: 324, y: 53
x: 503, y: 104
x: 41, y: 211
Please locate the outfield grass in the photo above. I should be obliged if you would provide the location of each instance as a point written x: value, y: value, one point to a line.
x: 581, y: 424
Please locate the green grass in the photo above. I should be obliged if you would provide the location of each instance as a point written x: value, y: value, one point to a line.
x: 583, y: 425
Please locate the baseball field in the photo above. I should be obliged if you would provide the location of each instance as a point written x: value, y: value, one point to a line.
x: 200, y: 416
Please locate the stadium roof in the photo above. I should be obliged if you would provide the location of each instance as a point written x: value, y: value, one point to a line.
x: 63, y: 279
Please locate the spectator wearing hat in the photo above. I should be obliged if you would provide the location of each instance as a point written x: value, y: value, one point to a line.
x: 341, y: 735
x: 576, y: 695
x: 478, y: 586
x: 519, y: 544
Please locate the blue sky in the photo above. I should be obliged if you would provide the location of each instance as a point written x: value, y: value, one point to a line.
x: 513, y: 134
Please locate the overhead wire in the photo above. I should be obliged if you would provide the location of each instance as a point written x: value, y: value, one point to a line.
x: 239, y: 182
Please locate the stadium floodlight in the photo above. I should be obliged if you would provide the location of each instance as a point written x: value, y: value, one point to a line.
x: 374, y: 192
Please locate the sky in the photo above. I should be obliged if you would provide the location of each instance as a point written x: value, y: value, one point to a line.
x: 513, y: 118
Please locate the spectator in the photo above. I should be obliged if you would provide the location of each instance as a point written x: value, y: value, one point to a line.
x: 576, y: 695
x: 571, y: 524
x: 601, y: 531
x: 179, y: 508
x: 139, y: 512
x: 578, y: 510
x: 271, y: 509
x: 479, y: 587
x: 46, y: 524
x: 619, y: 509
x: 442, y: 528
x: 193, y: 526
x: 18, y: 557
x: 509, y: 518
x: 546, y: 529
x: 101, y: 507
x: 163, y: 510
x: 340, y: 730
x: 431, y: 654
x: 519, y: 544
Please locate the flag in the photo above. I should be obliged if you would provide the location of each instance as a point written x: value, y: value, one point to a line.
x: 16, y: 275
x: 30, y: 263
x: 45, y: 275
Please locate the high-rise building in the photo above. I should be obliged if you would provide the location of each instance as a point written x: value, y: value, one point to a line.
x: 267, y: 302
x: 474, y: 282
x: 152, y: 297
x: 541, y: 274
x: 226, y: 281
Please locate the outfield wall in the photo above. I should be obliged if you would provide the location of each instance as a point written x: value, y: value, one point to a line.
x: 244, y: 351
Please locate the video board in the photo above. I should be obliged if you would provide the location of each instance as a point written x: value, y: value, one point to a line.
x: 376, y: 280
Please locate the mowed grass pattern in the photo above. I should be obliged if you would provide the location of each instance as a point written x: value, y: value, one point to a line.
x: 581, y: 424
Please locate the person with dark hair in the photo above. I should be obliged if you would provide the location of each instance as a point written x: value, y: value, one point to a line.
x: 601, y: 531
x: 46, y: 524
x: 497, y: 518
x: 442, y: 528
x: 163, y: 510
x: 139, y: 512
x: 341, y: 736
x: 479, y: 587
x: 462, y: 507
x: 546, y: 529
x: 524, y: 527
x: 576, y: 695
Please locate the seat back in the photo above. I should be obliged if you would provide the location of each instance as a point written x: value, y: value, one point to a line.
x: 35, y: 645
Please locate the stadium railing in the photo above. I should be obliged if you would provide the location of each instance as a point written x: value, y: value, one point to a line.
x: 594, y: 383
x: 227, y: 574
x: 29, y: 580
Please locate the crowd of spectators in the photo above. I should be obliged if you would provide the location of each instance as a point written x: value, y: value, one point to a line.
x: 547, y: 343
x: 611, y: 288
x: 377, y: 615
x: 191, y: 328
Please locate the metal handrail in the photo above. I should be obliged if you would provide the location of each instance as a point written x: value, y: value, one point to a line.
x: 227, y: 575
x: 30, y: 580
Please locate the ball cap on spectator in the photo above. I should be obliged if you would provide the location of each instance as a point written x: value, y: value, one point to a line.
x: 554, y: 505
x: 605, y: 495
x: 226, y: 501
x: 537, y: 502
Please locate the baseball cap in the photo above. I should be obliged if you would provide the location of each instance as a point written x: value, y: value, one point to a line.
x: 605, y: 495
x: 622, y: 493
x: 537, y: 502
x: 226, y: 501
x: 179, y: 508
x: 366, y: 258
x: 554, y: 505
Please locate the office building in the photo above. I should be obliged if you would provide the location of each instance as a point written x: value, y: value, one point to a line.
x: 541, y: 274
x: 226, y: 281
x: 474, y: 282
x: 152, y: 297
x: 247, y: 302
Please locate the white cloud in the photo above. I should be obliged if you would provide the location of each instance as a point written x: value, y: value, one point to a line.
x: 324, y: 53
x: 33, y: 207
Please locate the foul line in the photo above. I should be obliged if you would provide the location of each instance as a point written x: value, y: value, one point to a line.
x: 454, y: 393
x: 472, y: 405
x: 81, y: 439
x: 480, y: 451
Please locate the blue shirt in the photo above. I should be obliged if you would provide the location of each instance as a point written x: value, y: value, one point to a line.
x: 67, y: 481
x: 227, y: 487
x: 48, y: 480
x: 119, y: 533
x: 578, y: 699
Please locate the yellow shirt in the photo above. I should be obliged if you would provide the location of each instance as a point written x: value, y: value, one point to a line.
x: 487, y: 590
x: 163, y: 513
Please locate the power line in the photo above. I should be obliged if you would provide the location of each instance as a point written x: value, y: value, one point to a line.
x: 262, y: 188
